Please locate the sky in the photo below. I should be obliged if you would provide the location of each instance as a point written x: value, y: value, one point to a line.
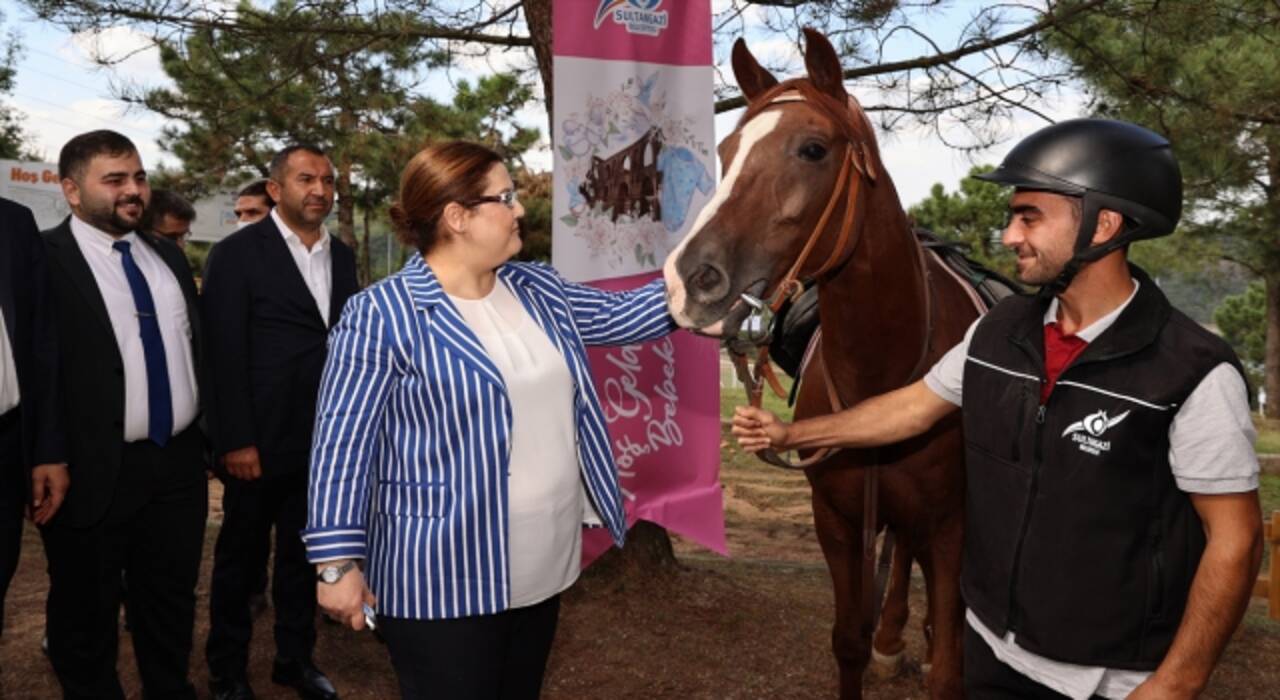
x: 62, y: 93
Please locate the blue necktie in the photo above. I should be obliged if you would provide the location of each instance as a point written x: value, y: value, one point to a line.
x: 159, y: 400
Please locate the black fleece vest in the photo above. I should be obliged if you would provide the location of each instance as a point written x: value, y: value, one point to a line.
x: 1077, y: 538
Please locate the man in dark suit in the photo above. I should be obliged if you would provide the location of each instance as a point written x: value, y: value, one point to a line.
x: 32, y: 458
x: 129, y: 343
x: 271, y: 292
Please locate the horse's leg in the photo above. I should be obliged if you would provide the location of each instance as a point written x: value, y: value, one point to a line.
x: 888, y: 647
x: 841, y: 541
x: 941, y: 564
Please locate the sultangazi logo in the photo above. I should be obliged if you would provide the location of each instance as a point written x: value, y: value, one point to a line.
x: 636, y: 16
x: 1086, y: 433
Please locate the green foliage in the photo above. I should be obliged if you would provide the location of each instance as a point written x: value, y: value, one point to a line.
x: 1269, y: 443
x: 13, y: 140
x: 974, y: 216
x: 1242, y: 320
x: 1204, y: 74
x: 197, y: 253
x: 239, y: 95
x: 535, y: 227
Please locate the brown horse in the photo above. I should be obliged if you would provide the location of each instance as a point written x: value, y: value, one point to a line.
x: 803, y: 180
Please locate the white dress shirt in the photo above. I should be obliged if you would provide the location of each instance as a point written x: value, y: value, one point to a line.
x: 546, y: 502
x: 9, y: 395
x: 107, y: 267
x: 314, y: 264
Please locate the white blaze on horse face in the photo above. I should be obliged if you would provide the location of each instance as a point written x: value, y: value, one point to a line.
x: 752, y: 133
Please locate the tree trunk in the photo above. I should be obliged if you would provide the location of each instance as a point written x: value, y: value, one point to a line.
x: 537, y: 15
x: 346, y: 205
x: 648, y: 553
x: 1272, y: 360
x: 364, y: 268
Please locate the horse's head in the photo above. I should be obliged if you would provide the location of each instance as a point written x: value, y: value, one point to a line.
x: 792, y: 170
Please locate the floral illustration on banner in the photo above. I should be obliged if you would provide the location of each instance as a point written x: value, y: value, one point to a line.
x: 631, y: 170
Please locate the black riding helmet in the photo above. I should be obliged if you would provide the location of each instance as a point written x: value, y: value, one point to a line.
x: 1109, y: 164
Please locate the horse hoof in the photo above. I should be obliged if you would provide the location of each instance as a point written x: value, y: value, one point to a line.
x: 886, y: 665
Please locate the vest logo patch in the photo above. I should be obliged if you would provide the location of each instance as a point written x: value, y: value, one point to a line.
x: 1086, y: 433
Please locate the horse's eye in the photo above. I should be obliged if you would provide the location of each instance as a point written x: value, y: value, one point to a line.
x: 813, y: 151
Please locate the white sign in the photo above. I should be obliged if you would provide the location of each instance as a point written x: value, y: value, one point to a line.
x: 37, y: 187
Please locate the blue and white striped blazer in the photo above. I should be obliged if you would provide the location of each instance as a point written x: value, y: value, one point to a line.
x: 413, y: 434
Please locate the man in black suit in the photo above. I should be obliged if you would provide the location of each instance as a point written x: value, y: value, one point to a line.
x: 32, y: 458
x: 129, y: 343
x: 271, y: 292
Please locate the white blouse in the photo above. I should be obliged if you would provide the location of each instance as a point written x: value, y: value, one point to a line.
x: 546, y: 502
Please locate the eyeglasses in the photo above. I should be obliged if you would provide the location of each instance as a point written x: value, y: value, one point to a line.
x: 509, y: 199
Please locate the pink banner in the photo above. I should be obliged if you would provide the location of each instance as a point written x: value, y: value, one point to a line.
x: 634, y: 162
x: 674, y: 32
x: 662, y: 402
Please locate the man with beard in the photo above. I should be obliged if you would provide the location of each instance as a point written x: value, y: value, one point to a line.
x: 272, y: 290
x: 128, y: 333
x: 1112, y: 526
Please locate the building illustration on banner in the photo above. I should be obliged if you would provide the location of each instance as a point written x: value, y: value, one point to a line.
x: 632, y: 170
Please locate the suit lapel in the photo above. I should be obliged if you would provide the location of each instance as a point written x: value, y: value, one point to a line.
x: 63, y: 250
x: 279, y: 263
x: 446, y: 324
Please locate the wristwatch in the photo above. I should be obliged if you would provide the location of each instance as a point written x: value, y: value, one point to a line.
x: 333, y: 574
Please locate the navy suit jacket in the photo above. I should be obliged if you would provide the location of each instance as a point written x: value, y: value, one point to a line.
x: 266, y: 342
x: 29, y: 323
x: 92, y: 372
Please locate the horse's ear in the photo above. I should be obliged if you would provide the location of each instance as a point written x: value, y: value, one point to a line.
x: 823, y: 64
x: 752, y: 79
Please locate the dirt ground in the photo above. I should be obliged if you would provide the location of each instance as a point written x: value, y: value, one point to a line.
x: 756, y: 625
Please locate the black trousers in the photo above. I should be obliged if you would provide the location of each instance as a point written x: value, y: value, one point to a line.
x: 13, y: 500
x: 250, y: 508
x: 988, y: 678
x: 154, y: 533
x: 487, y: 657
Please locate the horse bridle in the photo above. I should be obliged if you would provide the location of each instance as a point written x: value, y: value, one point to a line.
x: 760, y: 321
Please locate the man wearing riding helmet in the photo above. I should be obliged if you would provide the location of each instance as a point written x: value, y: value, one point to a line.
x: 1113, y: 530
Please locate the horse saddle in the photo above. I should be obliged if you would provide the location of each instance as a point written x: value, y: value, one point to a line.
x: 797, y: 321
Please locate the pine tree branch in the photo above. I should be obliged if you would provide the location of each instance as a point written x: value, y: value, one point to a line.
x: 1051, y: 19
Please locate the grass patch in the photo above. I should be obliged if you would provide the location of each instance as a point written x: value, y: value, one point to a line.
x: 1269, y: 493
x: 735, y: 396
x: 1268, y: 435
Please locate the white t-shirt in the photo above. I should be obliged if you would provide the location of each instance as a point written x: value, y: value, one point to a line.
x: 546, y: 503
x: 1210, y: 451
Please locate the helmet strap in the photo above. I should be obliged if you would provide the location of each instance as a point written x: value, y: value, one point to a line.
x: 1089, y: 209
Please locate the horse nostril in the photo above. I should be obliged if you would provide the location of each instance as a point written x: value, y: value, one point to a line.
x: 706, y: 278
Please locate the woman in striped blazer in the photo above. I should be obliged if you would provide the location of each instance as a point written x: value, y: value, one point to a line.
x: 459, y: 444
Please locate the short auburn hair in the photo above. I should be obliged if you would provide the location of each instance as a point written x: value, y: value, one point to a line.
x: 454, y: 171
